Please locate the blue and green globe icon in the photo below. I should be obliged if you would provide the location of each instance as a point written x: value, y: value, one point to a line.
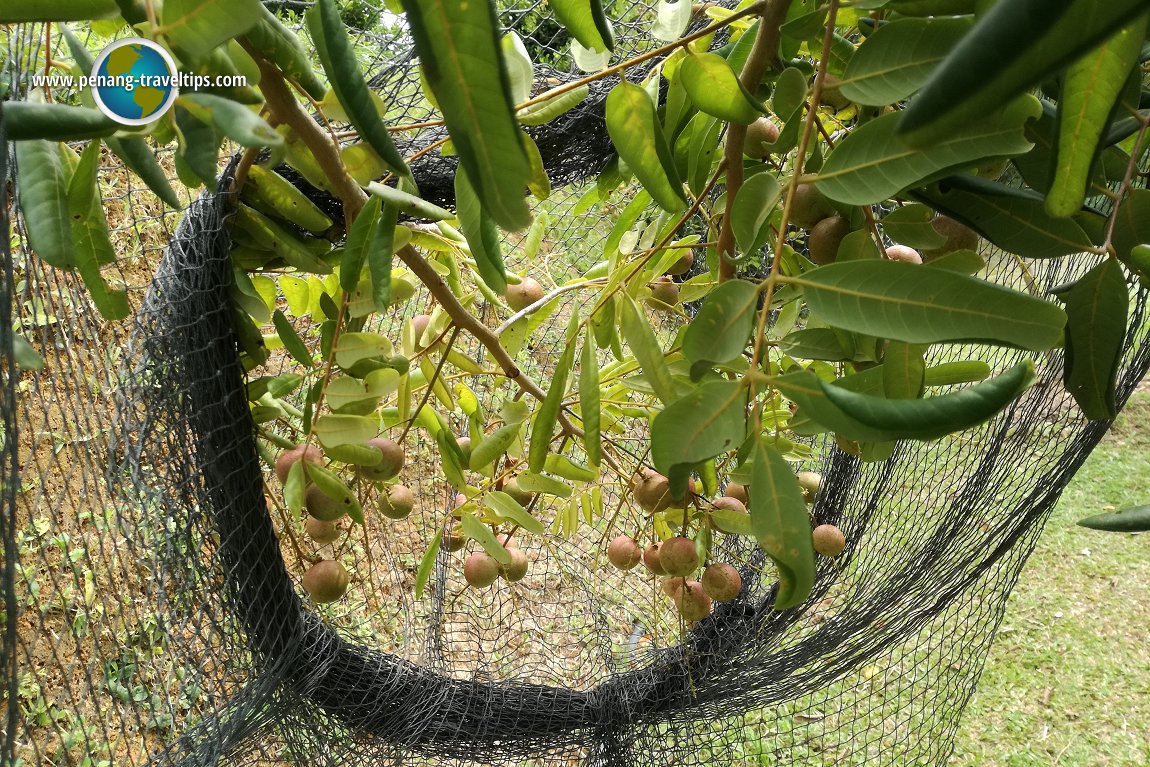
x: 134, y: 81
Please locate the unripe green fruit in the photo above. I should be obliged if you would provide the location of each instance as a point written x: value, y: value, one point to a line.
x: 480, y: 569
x: 904, y: 254
x: 515, y: 569
x: 828, y: 540
x: 825, y: 237
x: 692, y: 601
x: 390, y: 465
x: 326, y: 581
x: 678, y: 556
x: 722, y: 582
x: 527, y: 292
x: 809, y: 206
x: 397, y: 503
x: 760, y: 133
x: 320, y: 530
x: 683, y: 265
x: 623, y: 552
x: 322, y: 506
x: 651, y: 559
x: 664, y: 294
x: 291, y: 456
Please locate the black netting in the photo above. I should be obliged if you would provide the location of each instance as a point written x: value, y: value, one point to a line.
x: 153, y: 612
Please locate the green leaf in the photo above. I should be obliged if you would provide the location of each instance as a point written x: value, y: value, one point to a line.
x: 481, y: 534
x: 906, y: 302
x: 25, y: 355
x: 720, y: 330
x: 197, y: 27
x: 815, y: 344
x: 911, y: 225
x: 234, y: 120
x: 645, y: 346
x: 339, y: 61
x: 520, y: 70
x: 589, y: 404
x: 291, y: 340
x: 359, y: 238
x: 282, y: 47
x: 733, y: 522
x: 873, y: 163
x: 199, y: 146
x: 638, y: 137
x: 781, y: 524
x: 586, y: 22
x: 493, y: 445
x: 451, y: 457
x: 751, y: 211
x: 1132, y: 520
x: 381, y: 254
x: 898, y: 57
x: 427, y: 564
x: 276, y: 194
x: 547, y: 414
x: 336, y: 430
x: 715, y: 89
x: 703, y: 150
x: 1132, y: 224
x: 903, y: 370
x: 333, y: 487
x: 539, y: 184
x: 562, y: 466
x: 710, y: 420
x: 1089, y: 91
x: 458, y: 45
x: 868, y: 417
x: 30, y: 121
x: 1013, y: 219
x: 355, y: 347
x: 43, y: 189
x: 409, y: 203
x: 540, y: 483
x: 1014, y: 46
x: 481, y: 233
x: 351, y: 395
x: 546, y: 111
x: 1097, y: 305
x: 958, y: 372
x: 671, y: 19
x: 506, y: 507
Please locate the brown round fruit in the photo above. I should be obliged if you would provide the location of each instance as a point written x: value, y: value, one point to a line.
x: 832, y: 94
x: 678, y: 556
x: 760, y: 133
x: 671, y: 586
x: 397, y: 503
x: 683, y: 265
x: 321, y: 505
x: 390, y: 465
x: 507, y: 541
x: 527, y: 292
x: 326, y: 581
x: 291, y: 456
x: 958, y: 236
x: 651, y: 559
x: 825, y: 237
x: 737, y: 491
x: 480, y: 569
x: 729, y: 503
x: 810, y: 482
x: 652, y: 490
x: 521, y: 496
x: 664, y: 294
x: 692, y: 601
x: 453, y: 540
x: 515, y: 569
x: 321, y: 530
x: 419, y: 325
x: 903, y: 253
x: 465, y: 448
x: 722, y: 582
x: 828, y: 540
x: 809, y: 206
x: 623, y: 552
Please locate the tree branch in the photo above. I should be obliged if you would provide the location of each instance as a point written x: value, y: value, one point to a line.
x: 764, y: 54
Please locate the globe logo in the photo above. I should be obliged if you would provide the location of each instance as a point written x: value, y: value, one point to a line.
x: 134, y: 81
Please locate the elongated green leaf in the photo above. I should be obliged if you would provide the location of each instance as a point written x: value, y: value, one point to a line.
x: 905, y: 302
x: 234, y: 120
x: 409, y: 203
x: 873, y: 163
x: 645, y: 346
x: 197, y: 27
x: 1097, y: 306
x: 710, y: 420
x: 781, y: 524
x: 638, y: 137
x: 43, y: 189
x: 451, y: 457
x: 724, y: 323
x: 336, y: 430
x: 493, y: 445
x: 1132, y: 226
x: 275, y: 194
x: 92, y: 242
x: 546, y: 111
x: 703, y: 150
x: 895, y: 60
x: 586, y: 22
x: 562, y: 466
x: 589, y: 404
x: 381, y: 254
x: 1013, y: 219
x: 541, y: 483
x: 548, y: 413
x: 1014, y: 46
x: 359, y: 238
x: 508, y: 508
x: 671, y: 20
x: 282, y: 47
x: 714, y: 88
x: 951, y: 373
x: 199, y: 145
x: 458, y: 45
x: 815, y: 344
x: 355, y: 347
x: 911, y: 225
x: 481, y: 233
x: 520, y: 70
x: 343, y: 71
x: 1133, y: 520
x: 1089, y: 91
x: 427, y: 564
x: 291, y: 340
x: 345, y: 392
x: 751, y: 212
x: 28, y: 121
x: 903, y: 370
x: 481, y: 534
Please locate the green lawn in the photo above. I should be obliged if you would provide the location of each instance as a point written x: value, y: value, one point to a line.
x: 1068, y: 679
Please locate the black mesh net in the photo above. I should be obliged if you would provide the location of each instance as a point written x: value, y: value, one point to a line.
x: 152, y: 603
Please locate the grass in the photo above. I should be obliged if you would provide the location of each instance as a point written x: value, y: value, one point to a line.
x: 1068, y: 679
